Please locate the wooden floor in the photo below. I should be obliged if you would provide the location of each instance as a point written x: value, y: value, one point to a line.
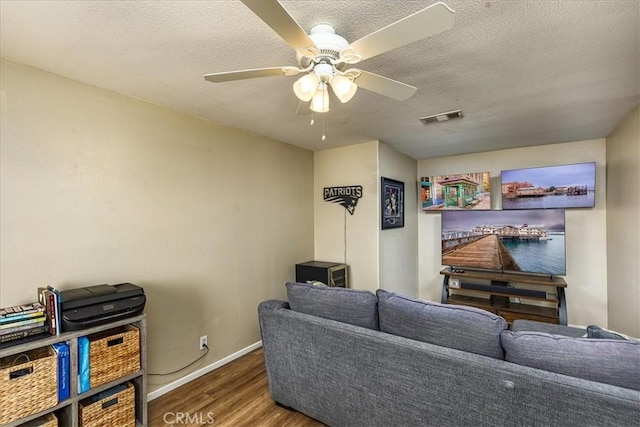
x: 233, y: 395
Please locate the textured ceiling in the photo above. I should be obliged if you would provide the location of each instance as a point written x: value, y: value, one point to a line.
x: 523, y: 72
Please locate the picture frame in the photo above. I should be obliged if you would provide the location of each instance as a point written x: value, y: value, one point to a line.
x: 550, y: 187
x: 392, y: 203
x: 462, y: 191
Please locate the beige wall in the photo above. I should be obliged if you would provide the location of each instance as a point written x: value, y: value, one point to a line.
x: 101, y: 188
x: 623, y: 225
x: 399, y: 246
x: 339, y: 236
x: 376, y: 258
x: 585, y: 228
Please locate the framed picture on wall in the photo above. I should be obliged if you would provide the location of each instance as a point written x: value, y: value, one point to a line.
x: 550, y: 187
x: 392, y: 203
x: 471, y: 190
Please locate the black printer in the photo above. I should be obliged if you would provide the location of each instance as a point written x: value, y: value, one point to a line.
x: 94, y: 305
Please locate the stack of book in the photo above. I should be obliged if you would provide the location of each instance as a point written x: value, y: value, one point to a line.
x: 22, y: 323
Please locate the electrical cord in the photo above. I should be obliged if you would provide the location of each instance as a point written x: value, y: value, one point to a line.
x: 185, y: 367
x: 345, y: 236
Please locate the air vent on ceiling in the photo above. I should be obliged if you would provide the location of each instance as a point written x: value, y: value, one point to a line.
x: 442, y: 117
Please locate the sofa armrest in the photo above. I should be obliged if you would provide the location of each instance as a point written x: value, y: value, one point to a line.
x: 521, y: 325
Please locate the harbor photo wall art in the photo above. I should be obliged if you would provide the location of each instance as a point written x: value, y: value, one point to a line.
x: 461, y: 191
x: 531, y: 241
x: 566, y: 186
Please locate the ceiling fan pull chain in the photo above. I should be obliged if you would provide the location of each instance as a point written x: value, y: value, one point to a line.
x: 323, y: 135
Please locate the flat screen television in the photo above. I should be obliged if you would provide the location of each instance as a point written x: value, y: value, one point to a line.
x: 565, y: 186
x: 528, y: 241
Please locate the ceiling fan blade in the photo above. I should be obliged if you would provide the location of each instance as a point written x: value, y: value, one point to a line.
x: 277, y: 17
x: 228, y: 76
x: 385, y: 86
x: 429, y: 21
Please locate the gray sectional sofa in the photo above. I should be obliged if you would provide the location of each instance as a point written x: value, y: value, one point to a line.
x: 353, y: 358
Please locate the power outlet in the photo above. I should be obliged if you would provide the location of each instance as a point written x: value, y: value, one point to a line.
x: 203, y: 342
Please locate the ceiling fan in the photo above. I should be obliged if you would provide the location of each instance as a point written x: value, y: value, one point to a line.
x: 325, y: 57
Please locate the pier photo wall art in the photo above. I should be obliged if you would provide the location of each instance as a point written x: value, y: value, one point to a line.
x: 566, y: 186
x: 531, y: 241
x: 460, y: 191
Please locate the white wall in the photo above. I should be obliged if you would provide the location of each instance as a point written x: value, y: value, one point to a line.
x: 623, y: 225
x: 586, y: 233
x: 339, y: 236
x: 399, y: 246
x: 99, y: 188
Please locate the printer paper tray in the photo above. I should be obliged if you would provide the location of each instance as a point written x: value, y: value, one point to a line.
x: 74, y: 325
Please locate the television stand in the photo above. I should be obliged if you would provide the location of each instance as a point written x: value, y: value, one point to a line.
x: 510, y: 295
x: 499, y: 300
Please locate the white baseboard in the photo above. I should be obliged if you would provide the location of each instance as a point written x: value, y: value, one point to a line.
x: 200, y: 372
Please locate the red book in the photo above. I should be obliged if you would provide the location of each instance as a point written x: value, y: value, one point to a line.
x: 47, y: 298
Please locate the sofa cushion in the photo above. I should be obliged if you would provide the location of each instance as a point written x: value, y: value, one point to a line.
x: 520, y: 325
x: 608, y: 361
x: 460, y: 327
x: 356, y: 307
x: 594, y: 331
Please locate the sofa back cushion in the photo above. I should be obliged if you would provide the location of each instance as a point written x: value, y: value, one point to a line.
x: 597, y: 332
x: 463, y: 328
x: 524, y: 325
x: 353, y: 306
x: 615, y: 362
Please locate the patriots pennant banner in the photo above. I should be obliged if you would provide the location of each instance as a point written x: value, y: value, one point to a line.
x: 347, y: 197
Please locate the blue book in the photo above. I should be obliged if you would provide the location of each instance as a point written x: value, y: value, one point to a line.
x: 84, y: 380
x: 62, y: 350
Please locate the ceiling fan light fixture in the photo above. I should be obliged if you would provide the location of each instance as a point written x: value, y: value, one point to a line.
x: 343, y: 88
x: 306, y: 87
x: 329, y: 54
x: 320, y: 100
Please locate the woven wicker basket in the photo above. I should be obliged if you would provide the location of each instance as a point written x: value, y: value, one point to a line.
x: 113, y: 354
x: 28, y: 384
x: 116, y: 410
x: 48, y: 420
